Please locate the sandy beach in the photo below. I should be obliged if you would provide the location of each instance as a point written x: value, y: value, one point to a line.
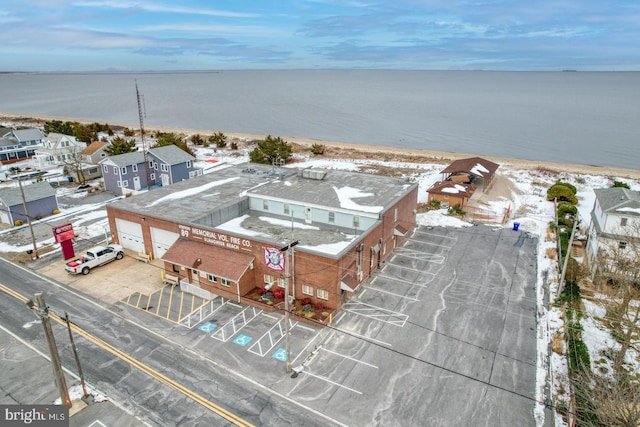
x: 336, y: 149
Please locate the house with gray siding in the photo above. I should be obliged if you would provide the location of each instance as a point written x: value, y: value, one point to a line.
x: 20, y: 144
x: 40, y: 199
x: 614, y: 232
x: 166, y: 165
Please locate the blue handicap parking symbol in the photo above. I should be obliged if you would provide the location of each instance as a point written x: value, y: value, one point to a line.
x: 280, y: 354
x: 207, y: 327
x: 242, y: 340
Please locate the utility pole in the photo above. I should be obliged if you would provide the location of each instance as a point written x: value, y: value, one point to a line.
x: 287, y: 277
x: 43, y: 313
x: 26, y: 213
x: 85, y: 393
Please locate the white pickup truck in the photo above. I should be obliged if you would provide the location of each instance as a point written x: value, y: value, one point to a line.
x: 94, y: 257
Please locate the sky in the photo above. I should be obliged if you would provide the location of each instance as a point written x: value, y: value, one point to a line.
x: 162, y: 35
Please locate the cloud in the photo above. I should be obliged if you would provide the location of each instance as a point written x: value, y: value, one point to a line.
x: 160, y: 8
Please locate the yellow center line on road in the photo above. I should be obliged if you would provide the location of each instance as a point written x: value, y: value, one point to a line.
x: 229, y: 416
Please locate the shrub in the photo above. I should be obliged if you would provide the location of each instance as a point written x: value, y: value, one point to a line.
x: 565, y: 208
x: 563, y: 193
x: 456, y: 210
x: 272, y: 148
x: 262, y: 291
x: 305, y: 301
x: 317, y: 149
x: 278, y: 293
x: 219, y: 139
x: 579, y: 359
x: 434, y: 204
x: 621, y: 184
x: 18, y: 222
x: 196, y: 139
x: 55, y: 212
x: 319, y: 305
x: 234, y: 145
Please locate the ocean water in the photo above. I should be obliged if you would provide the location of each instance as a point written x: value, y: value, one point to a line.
x: 590, y: 118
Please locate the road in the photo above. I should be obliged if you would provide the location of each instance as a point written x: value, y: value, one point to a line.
x: 157, y: 380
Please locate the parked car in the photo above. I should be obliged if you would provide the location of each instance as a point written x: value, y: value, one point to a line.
x: 94, y: 257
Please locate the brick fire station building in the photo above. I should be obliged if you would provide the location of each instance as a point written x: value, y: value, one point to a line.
x: 230, y: 230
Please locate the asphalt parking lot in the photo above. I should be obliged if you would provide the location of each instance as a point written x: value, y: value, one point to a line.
x: 443, y: 334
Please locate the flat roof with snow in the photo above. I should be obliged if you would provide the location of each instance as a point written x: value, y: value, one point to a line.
x: 188, y: 202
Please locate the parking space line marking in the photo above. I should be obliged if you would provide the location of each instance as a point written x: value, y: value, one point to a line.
x: 242, y: 318
x: 306, y: 328
x: 332, y: 382
x: 404, y: 282
x: 304, y: 349
x: 394, y: 294
x: 273, y: 336
x: 341, y: 316
x: 418, y: 231
x: 234, y: 304
x: 364, y: 337
x: 436, y: 259
x: 270, y: 316
x: 159, y: 299
x: 348, y: 357
x: 383, y: 313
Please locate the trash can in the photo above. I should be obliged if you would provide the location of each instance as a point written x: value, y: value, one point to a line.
x: 516, y: 225
x: 70, y: 178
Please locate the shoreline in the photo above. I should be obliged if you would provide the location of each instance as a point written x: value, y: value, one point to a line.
x: 401, y: 154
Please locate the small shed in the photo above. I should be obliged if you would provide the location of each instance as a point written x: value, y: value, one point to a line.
x: 474, y: 170
x: 39, y: 197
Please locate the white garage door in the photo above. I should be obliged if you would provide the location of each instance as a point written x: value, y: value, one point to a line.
x: 4, y: 217
x: 162, y: 241
x: 130, y: 235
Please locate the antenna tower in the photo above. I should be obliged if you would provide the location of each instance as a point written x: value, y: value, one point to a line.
x: 144, y: 145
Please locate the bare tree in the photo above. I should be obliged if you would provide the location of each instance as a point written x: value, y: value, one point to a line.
x: 607, y: 400
x: 73, y: 161
x: 618, y: 264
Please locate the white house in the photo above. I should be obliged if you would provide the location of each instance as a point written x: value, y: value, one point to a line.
x: 615, y: 226
x: 57, y: 150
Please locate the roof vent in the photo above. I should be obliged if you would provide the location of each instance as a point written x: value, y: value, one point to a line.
x: 314, y: 174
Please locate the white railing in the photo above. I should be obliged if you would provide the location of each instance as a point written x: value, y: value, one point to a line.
x: 189, y: 288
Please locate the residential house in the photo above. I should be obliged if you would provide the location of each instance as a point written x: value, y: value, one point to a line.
x: 40, y: 199
x: 19, y: 144
x: 95, y: 152
x: 57, y: 150
x: 165, y: 166
x: 91, y: 156
x: 451, y: 193
x: 614, y: 232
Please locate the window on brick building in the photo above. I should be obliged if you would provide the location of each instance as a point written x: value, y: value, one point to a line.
x: 323, y: 294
